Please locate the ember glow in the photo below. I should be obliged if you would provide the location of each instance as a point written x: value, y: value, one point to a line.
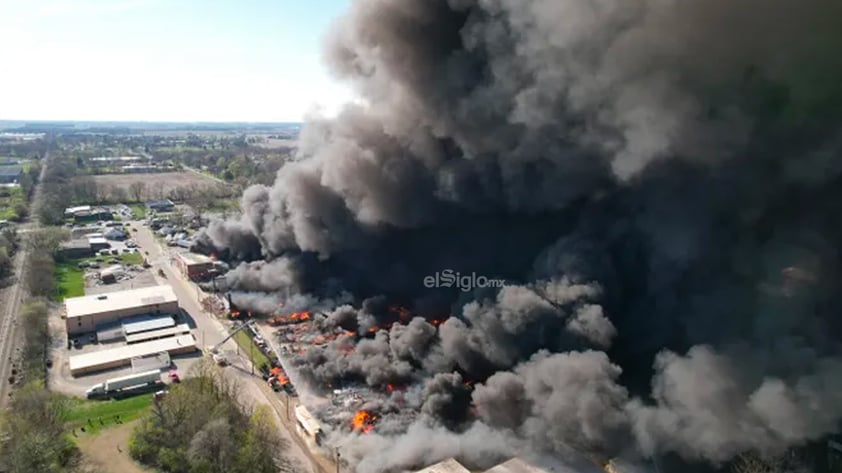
x: 363, y: 422
x: 292, y: 318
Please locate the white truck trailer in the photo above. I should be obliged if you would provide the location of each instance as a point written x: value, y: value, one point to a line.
x: 124, y: 383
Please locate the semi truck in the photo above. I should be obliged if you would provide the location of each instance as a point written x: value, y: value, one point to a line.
x: 124, y: 383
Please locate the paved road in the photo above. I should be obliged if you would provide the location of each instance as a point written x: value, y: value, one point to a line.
x: 210, y: 331
x: 14, y: 294
x: 213, y: 178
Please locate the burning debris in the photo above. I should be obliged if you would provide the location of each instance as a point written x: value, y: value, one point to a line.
x: 655, y: 182
x: 363, y: 422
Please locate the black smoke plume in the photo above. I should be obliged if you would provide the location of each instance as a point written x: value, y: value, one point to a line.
x: 657, y: 182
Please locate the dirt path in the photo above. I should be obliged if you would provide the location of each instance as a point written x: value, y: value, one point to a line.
x: 109, y: 450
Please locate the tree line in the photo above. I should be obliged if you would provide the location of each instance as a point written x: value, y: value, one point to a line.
x: 200, y: 426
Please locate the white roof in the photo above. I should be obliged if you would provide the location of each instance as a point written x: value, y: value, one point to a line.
x: 116, y: 158
x: 97, y: 240
x: 145, y: 324
x: 99, y: 303
x: 88, y: 360
x: 73, y: 210
x: 194, y: 258
x: 307, y: 420
x: 447, y: 466
x: 164, y: 332
x: 516, y: 465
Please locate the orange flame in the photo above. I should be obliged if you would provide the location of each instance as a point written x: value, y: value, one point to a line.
x: 402, y: 312
x: 363, y: 421
x: 295, y: 317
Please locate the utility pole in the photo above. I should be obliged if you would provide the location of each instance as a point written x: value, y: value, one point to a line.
x: 336, y: 449
x: 251, y: 355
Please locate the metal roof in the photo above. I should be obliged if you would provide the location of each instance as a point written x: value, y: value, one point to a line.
x: 144, y: 325
x: 310, y: 424
x: 11, y: 171
x: 194, y: 258
x: 103, y: 357
x: 516, y: 465
x: 165, y: 332
x: 100, y: 303
x: 447, y: 466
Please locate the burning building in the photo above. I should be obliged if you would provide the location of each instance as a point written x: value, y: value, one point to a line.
x: 641, y: 175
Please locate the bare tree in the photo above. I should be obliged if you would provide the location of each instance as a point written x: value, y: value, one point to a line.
x: 137, y: 190
x: 118, y: 194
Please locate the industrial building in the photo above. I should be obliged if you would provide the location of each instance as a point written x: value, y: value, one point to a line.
x: 180, y: 329
x: 87, y: 213
x: 84, y: 314
x: 161, y: 205
x: 122, y: 356
x: 98, y: 243
x: 80, y: 248
x: 446, y: 466
x: 10, y: 174
x: 192, y: 265
x: 134, y: 327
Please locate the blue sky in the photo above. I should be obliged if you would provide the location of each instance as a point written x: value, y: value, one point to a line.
x: 179, y: 60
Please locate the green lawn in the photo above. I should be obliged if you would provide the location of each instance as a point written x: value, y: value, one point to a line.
x: 139, y: 210
x: 70, y: 280
x: 246, y: 343
x: 129, y: 409
x: 131, y: 258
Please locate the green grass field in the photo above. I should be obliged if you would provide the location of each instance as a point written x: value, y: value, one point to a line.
x: 246, y: 343
x: 80, y: 411
x: 139, y: 210
x: 70, y: 280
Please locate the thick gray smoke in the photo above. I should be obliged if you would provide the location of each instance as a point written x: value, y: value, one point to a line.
x: 658, y: 183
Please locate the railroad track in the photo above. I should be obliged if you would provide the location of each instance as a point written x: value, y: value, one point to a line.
x: 8, y: 327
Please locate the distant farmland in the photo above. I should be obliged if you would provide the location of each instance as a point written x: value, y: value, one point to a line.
x: 157, y: 182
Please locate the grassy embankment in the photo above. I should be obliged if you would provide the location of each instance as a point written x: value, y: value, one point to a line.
x: 103, y: 414
x: 139, y: 211
x: 248, y: 348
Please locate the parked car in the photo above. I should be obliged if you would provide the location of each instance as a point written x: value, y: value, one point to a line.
x: 174, y: 376
x: 115, y: 252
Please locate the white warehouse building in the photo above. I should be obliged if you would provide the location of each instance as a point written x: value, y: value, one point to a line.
x: 84, y: 314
